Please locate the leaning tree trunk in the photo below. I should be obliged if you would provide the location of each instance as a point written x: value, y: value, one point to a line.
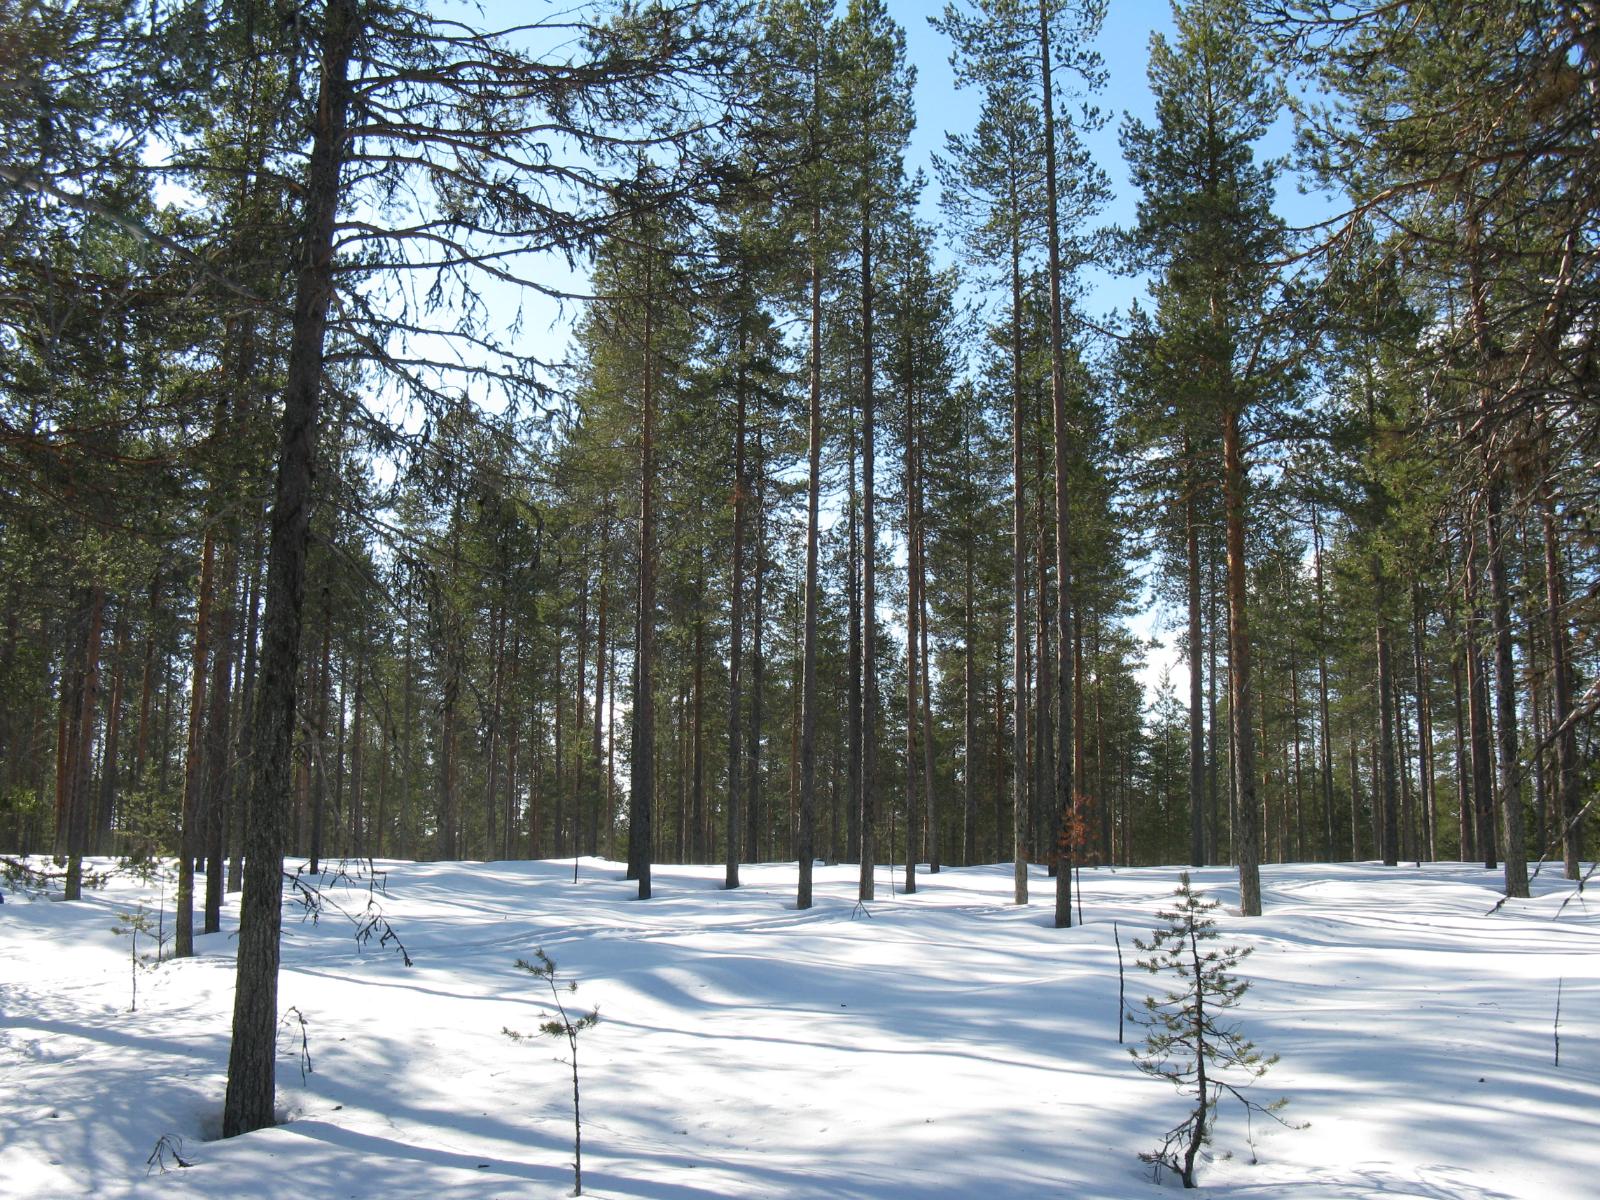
x: 251, y: 1061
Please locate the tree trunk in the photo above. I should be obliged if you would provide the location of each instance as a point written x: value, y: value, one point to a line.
x: 141, y: 740
x: 969, y: 708
x: 1387, y: 807
x: 1509, y: 782
x: 852, y: 730
x: 758, y: 684
x: 580, y: 722
x: 1197, y: 728
x: 219, y: 737
x: 1058, y: 396
x: 81, y: 747
x: 1425, y: 766
x: 735, y: 814
x: 601, y: 650
x: 913, y: 617
x: 319, y: 751
x: 1478, y: 716
x: 804, y: 849
x: 239, y: 788
x: 698, y: 750
x: 642, y: 796
x: 358, y: 760
x: 1561, y: 697
x: 190, y: 842
x: 497, y: 668
x: 1467, y: 848
x: 106, y: 806
x: 252, y: 1055
x: 929, y: 797
x: 1019, y: 601
x: 1324, y: 734
x: 868, y: 817
x: 1246, y: 837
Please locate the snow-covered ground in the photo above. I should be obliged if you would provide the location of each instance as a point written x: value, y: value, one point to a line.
x: 951, y: 1044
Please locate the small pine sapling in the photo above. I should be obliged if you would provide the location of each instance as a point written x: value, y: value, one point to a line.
x: 133, y: 925
x: 1187, y: 1042
x: 563, y: 1025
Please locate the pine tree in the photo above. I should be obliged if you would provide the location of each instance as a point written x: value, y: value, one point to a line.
x: 1206, y: 222
x: 1190, y: 1041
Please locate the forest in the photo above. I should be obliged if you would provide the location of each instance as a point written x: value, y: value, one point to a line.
x: 592, y: 435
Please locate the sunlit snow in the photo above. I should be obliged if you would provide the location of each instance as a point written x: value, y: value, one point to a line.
x: 948, y: 1044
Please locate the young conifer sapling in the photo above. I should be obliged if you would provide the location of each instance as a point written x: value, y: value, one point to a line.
x: 1189, y: 1040
x: 562, y: 1025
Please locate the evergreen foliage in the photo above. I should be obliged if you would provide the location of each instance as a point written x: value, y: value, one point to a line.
x: 1191, y: 1040
x: 562, y: 1025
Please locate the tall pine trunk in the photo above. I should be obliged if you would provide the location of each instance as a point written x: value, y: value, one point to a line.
x: 735, y: 814
x: 252, y: 1055
x: 1019, y: 598
x: 643, y: 791
x: 1197, y: 728
x: 1561, y: 697
x: 1246, y: 838
x: 219, y: 738
x: 804, y: 848
x: 868, y: 818
x: 190, y: 842
x: 1058, y: 396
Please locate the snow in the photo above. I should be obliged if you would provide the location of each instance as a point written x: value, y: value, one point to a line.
x: 949, y: 1044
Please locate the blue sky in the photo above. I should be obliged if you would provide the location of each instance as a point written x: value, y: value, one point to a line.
x: 1124, y: 44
